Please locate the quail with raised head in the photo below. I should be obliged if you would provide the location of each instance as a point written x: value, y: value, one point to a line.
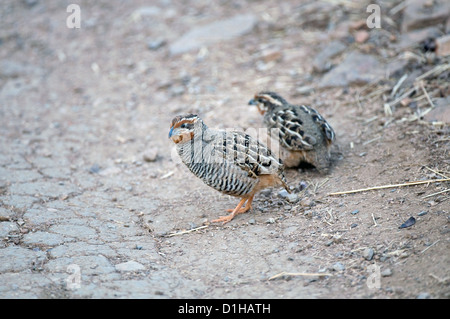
x: 231, y: 162
x: 304, y: 135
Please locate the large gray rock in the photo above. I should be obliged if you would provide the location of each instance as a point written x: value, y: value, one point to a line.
x: 214, y: 32
x: 357, y: 68
x: 423, y: 13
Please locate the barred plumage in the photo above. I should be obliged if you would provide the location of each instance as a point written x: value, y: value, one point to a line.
x: 305, y: 136
x: 233, y: 163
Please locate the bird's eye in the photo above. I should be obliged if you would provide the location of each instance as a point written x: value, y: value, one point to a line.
x: 183, y: 125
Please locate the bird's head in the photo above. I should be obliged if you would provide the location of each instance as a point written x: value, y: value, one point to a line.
x: 267, y: 101
x: 182, y: 128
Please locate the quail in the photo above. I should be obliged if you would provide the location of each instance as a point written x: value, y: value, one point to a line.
x: 231, y: 162
x: 304, y: 135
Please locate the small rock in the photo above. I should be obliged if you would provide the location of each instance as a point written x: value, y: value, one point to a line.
x: 386, y: 272
x: 368, y: 254
x: 155, y: 44
x: 270, y: 221
x: 353, y: 225
x: 361, y: 36
x: 423, y: 295
x: 176, y: 90
x: 271, y: 55
x: 307, y: 202
x: 252, y: 221
x: 356, y: 211
x: 130, y: 266
x: 411, y: 221
x: 338, y: 267
x: 149, y: 11
x: 150, y: 155
x: 110, y: 171
x: 94, y: 169
x: 291, y: 198
x: 304, y: 90
x: 422, y: 213
x: 31, y: 3
x: 441, y: 111
x: 302, y: 185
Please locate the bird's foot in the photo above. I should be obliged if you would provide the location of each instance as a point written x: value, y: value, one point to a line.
x: 234, y: 212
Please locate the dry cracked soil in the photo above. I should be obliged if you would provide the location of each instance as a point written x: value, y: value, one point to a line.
x: 94, y: 202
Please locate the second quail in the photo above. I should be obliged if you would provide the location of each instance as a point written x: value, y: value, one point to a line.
x: 304, y: 135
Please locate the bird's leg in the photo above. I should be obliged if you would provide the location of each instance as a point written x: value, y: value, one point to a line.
x: 234, y: 212
x: 244, y: 209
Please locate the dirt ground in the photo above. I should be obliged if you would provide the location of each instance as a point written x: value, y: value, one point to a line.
x: 85, y: 116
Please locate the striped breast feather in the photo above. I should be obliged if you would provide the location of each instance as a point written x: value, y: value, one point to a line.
x: 247, y: 153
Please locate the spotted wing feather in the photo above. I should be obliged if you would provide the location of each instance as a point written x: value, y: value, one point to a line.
x: 292, y: 133
x: 247, y: 153
x: 321, y: 122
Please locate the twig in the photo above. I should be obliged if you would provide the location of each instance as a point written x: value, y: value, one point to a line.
x: 318, y: 185
x: 372, y: 140
x: 401, y: 97
x: 430, y: 246
x: 426, y: 94
x: 187, y: 231
x: 281, y: 274
x: 436, y: 172
x: 391, y: 186
x: 399, y: 7
x: 438, y: 69
x: 399, y: 83
x: 440, y: 280
x: 444, y: 191
x: 374, y: 221
x: 167, y: 175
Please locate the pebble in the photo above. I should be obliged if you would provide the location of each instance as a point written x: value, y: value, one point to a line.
x: 423, y: 295
x: 155, y: 44
x: 386, y: 273
x: 411, y: 221
x: 94, y: 169
x: 441, y: 111
x: 304, y: 90
x: 291, y: 198
x: 150, y: 155
x: 338, y: 267
x: 368, y: 253
x: 302, y: 185
x: 306, y: 202
x: 356, y: 211
x: 361, y: 36
x: 270, y: 221
x: 422, y: 213
x: 252, y: 221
